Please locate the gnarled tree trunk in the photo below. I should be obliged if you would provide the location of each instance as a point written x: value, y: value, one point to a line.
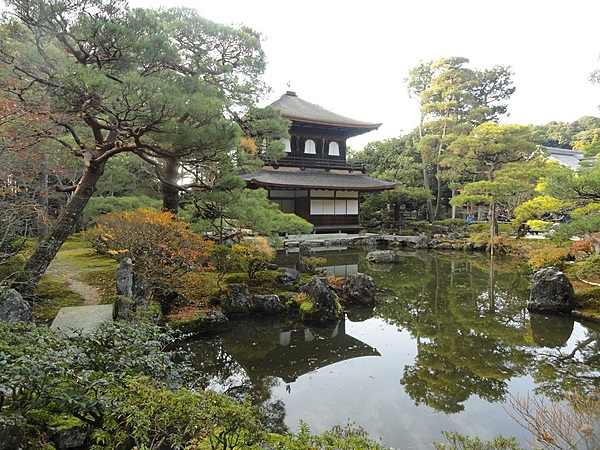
x: 49, y: 245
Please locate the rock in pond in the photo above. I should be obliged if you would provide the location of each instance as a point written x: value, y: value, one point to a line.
x: 358, y: 288
x: 322, y: 304
x: 289, y: 277
x: 267, y: 304
x: 551, y: 292
x: 238, y: 300
x: 381, y: 257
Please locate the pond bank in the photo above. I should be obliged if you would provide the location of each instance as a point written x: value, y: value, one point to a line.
x: 418, y: 240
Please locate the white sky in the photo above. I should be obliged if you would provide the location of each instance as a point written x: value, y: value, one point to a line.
x: 351, y: 57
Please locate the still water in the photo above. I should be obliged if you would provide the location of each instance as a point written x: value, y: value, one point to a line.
x: 447, y: 343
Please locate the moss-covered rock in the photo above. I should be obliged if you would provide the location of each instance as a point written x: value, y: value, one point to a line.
x: 205, y: 322
x: 320, y: 303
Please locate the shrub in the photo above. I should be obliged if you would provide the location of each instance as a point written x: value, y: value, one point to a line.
x: 569, y: 422
x: 254, y: 255
x: 42, y: 371
x: 336, y: 283
x: 152, y: 417
x: 583, y: 245
x: 538, y: 225
x: 301, y: 297
x: 590, y: 269
x: 163, y: 250
x: 97, y: 206
x: 349, y: 437
x: 451, y: 223
x: 549, y: 256
x: 457, y: 441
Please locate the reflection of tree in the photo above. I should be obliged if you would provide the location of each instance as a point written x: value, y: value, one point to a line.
x: 443, y: 385
x: 469, y: 327
x: 559, y: 372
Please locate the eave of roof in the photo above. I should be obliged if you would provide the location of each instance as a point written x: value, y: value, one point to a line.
x: 300, y: 111
x: 316, y: 179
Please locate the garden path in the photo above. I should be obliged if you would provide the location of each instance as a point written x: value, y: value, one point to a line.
x: 90, y: 294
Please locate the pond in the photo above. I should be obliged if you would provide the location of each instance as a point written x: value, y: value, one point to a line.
x: 448, y: 341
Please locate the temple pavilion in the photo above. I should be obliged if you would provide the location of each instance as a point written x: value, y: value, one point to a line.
x: 313, y: 180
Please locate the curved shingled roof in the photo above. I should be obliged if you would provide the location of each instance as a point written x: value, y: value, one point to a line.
x: 294, y: 108
x: 315, y: 179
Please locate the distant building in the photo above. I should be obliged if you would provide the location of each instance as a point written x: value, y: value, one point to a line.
x: 566, y: 157
x: 314, y: 180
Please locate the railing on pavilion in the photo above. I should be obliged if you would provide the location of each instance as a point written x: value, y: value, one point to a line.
x: 314, y: 163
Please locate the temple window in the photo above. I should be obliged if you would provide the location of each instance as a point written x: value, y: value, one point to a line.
x: 310, y: 147
x: 288, y: 145
x: 334, y: 149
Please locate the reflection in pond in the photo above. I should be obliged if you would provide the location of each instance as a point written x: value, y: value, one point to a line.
x: 448, y: 340
x: 288, y: 352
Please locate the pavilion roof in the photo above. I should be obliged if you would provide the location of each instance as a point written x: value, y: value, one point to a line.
x: 315, y: 179
x: 297, y: 110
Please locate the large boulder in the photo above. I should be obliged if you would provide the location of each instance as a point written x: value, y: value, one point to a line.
x: 267, y: 304
x: 238, y: 300
x: 551, y: 292
x: 381, y: 257
x: 422, y: 241
x: 69, y: 438
x: 322, y: 304
x: 358, y: 288
x: 11, y: 432
x: 130, y: 284
x: 289, y: 277
x: 13, y: 308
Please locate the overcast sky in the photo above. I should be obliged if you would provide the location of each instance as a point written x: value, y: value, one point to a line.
x: 351, y: 57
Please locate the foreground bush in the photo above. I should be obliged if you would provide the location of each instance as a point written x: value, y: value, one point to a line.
x: 150, y: 415
x: 130, y: 392
x: 46, y: 378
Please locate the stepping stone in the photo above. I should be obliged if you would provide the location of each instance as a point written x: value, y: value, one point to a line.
x: 78, y: 320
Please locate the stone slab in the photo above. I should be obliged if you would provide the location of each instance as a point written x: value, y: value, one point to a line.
x: 76, y: 320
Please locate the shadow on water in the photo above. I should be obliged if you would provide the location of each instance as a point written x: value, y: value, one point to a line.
x: 449, y: 335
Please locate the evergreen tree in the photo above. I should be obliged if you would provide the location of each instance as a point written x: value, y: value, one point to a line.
x: 453, y: 100
x: 105, y: 79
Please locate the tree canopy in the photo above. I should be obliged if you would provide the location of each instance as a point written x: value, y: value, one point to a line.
x: 104, y: 79
x: 453, y: 100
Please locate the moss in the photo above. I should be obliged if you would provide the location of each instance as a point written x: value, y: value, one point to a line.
x: 588, y: 301
x: 54, y: 293
x: 307, y: 306
x: 11, y: 266
x: 200, y: 323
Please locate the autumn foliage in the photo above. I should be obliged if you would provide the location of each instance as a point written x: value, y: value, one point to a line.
x: 254, y: 255
x: 164, y: 250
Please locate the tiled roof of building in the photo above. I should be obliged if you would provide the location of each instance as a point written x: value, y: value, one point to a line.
x: 315, y: 179
x: 570, y: 158
x: 294, y: 108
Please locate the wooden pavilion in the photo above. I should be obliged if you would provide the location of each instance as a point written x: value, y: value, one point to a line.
x: 313, y: 180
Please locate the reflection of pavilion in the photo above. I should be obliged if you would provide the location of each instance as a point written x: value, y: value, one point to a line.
x: 268, y: 350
